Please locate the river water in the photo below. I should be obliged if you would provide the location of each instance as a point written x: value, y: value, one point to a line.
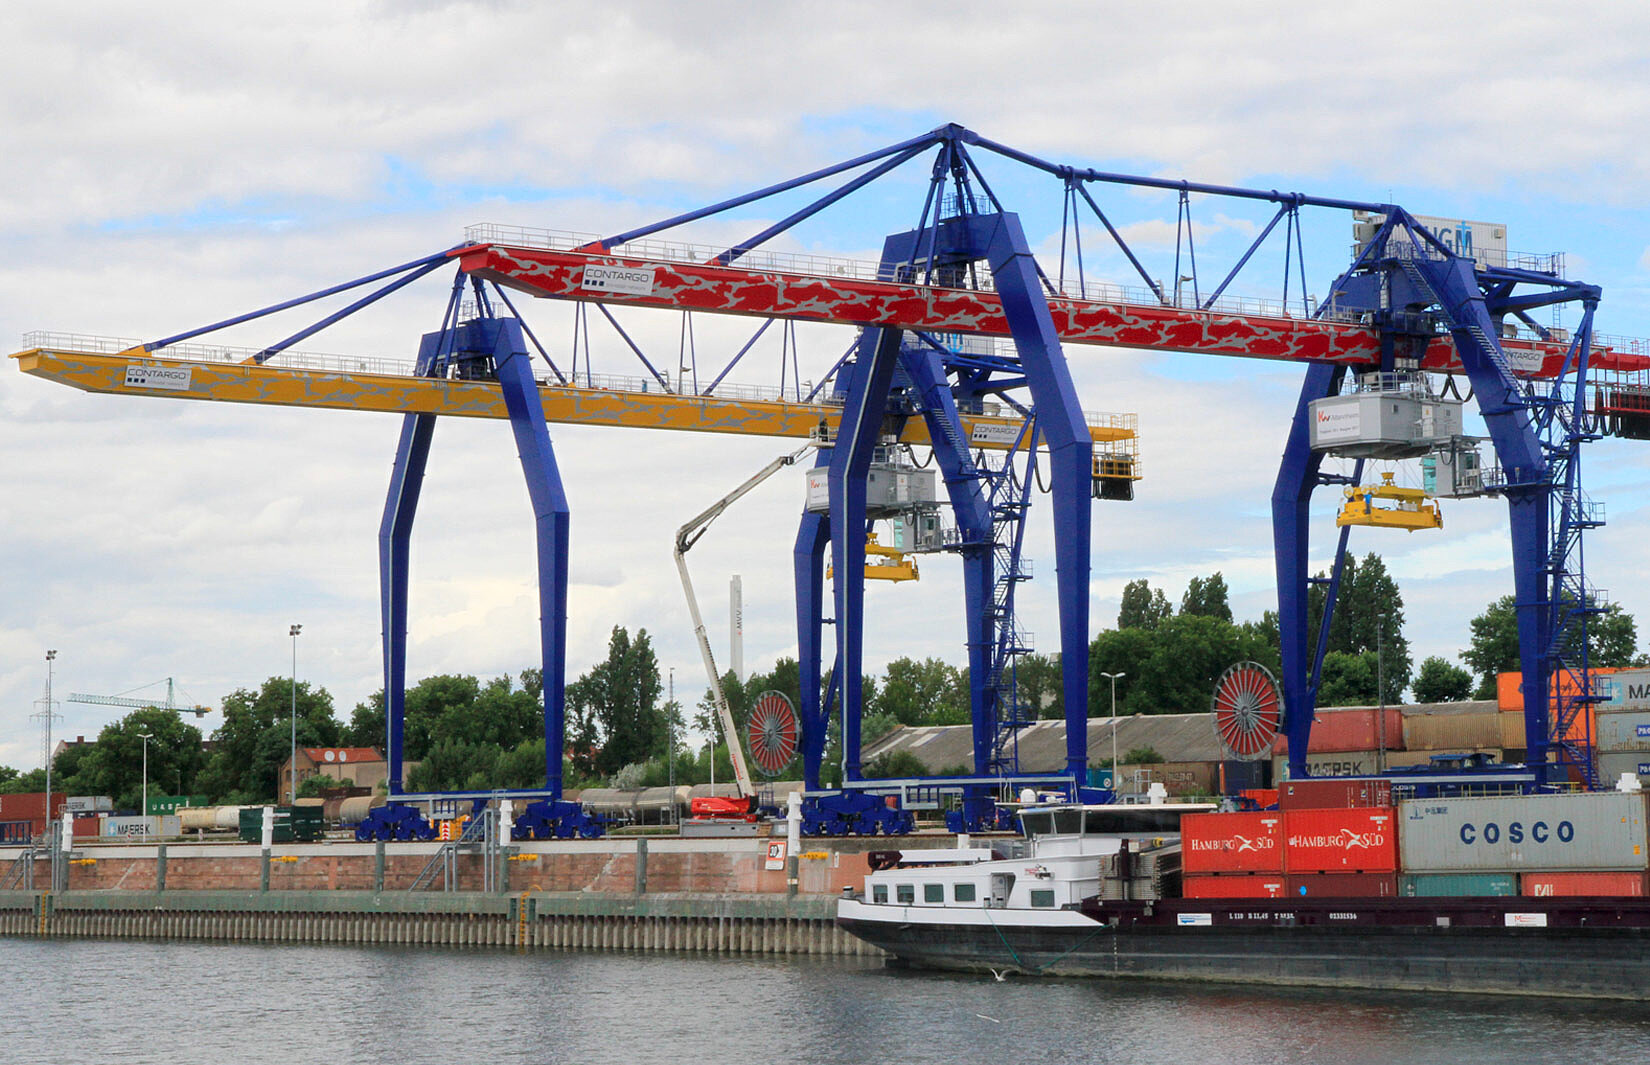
x: 95, y: 1001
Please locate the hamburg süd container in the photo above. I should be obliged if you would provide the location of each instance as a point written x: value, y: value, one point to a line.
x: 1570, y: 885
x: 1330, y: 793
x: 1342, y: 886
x: 1231, y: 843
x: 1340, y: 841
x: 1583, y: 832
x: 1253, y: 886
x: 1457, y: 885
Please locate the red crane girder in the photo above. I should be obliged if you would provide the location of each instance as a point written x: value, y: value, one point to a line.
x: 716, y: 288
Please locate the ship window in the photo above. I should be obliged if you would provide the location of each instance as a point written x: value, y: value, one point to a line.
x: 1040, y: 823
x: 879, y: 892
x: 1068, y: 822
x: 933, y: 893
x: 1043, y: 898
x: 962, y: 892
x: 905, y: 894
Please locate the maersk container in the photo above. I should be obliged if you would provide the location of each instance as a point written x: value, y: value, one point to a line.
x: 89, y: 804
x: 1232, y: 843
x: 1340, y: 841
x: 1623, y: 730
x: 1233, y: 887
x: 1599, y: 831
x: 140, y: 827
x: 1625, y: 689
x: 1458, y: 885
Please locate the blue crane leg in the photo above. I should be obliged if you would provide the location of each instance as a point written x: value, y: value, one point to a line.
x: 1071, y: 464
x: 973, y: 514
x: 1291, y: 528
x: 857, y: 434
x: 550, y: 517
x: 1518, y: 449
x: 808, y: 565
x: 394, y: 537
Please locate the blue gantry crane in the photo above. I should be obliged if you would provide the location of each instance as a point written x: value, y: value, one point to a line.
x: 956, y: 314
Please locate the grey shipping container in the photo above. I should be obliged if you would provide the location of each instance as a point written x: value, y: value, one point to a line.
x: 1580, y: 832
x: 1623, y: 730
x: 1627, y: 689
x: 1612, y: 764
x: 1457, y: 885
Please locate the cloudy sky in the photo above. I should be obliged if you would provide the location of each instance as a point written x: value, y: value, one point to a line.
x: 165, y: 167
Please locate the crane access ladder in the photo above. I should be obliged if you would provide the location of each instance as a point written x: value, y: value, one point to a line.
x: 484, y: 835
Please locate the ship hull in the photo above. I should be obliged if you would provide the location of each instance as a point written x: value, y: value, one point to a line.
x: 1272, y: 944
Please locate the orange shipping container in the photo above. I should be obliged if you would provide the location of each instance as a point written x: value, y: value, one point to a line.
x: 1233, y: 887
x: 1363, y: 840
x: 1353, y: 728
x: 1604, y: 885
x: 1231, y: 843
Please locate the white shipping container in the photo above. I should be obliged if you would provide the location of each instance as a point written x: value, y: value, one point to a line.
x: 88, y: 804
x: 1601, y: 831
x: 1623, y: 730
x: 1627, y: 690
x: 156, y: 827
x: 1612, y: 764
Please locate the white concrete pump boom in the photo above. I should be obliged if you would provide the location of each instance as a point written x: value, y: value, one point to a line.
x: 686, y: 537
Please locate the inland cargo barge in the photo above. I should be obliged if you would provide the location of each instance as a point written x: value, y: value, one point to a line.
x: 1091, y: 894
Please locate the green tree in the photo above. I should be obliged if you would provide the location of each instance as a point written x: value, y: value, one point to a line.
x: 1142, y: 607
x: 1369, y: 614
x: 1142, y: 756
x: 25, y: 783
x: 1440, y: 682
x: 616, y: 704
x: 1612, y: 638
x: 1206, y: 597
x: 114, y: 765
x: 929, y: 692
x: 1347, y: 680
x: 1038, y: 680
x: 1171, y: 669
x: 255, y: 738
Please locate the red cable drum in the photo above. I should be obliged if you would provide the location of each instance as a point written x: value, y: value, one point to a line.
x: 1248, y: 712
x: 772, y: 732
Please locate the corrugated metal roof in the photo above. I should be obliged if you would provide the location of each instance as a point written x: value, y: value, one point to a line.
x: 1042, y: 744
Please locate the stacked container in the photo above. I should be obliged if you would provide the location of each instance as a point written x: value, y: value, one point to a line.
x: 1232, y: 856
x: 1580, y: 844
x: 1340, y: 838
x: 1622, y: 736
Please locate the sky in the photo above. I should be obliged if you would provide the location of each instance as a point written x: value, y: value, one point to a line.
x: 169, y: 166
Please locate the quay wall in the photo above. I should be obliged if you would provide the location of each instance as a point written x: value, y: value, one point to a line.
x: 735, y: 924
x: 615, y: 865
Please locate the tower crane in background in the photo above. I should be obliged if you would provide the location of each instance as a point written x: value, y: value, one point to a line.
x: 171, y: 702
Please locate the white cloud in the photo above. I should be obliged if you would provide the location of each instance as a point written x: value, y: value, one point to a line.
x: 169, y: 167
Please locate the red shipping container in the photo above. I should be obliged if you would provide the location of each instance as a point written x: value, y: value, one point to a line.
x: 1343, y: 886
x: 1262, y: 797
x: 1567, y: 885
x: 1231, y: 843
x: 1332, y: 793
x: 30, y: 807
x: 1352, y: 729
x: 1340, y: 841
x: 87, y: 826
x: 1233, y: 887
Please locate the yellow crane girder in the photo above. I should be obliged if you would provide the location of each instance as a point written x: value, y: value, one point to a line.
x: 138, y: 373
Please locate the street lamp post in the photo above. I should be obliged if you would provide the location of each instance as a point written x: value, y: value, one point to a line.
x: 51, y: 656
x: 144, y: 736
x: 292, y: 783
x: 1113, y: 677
